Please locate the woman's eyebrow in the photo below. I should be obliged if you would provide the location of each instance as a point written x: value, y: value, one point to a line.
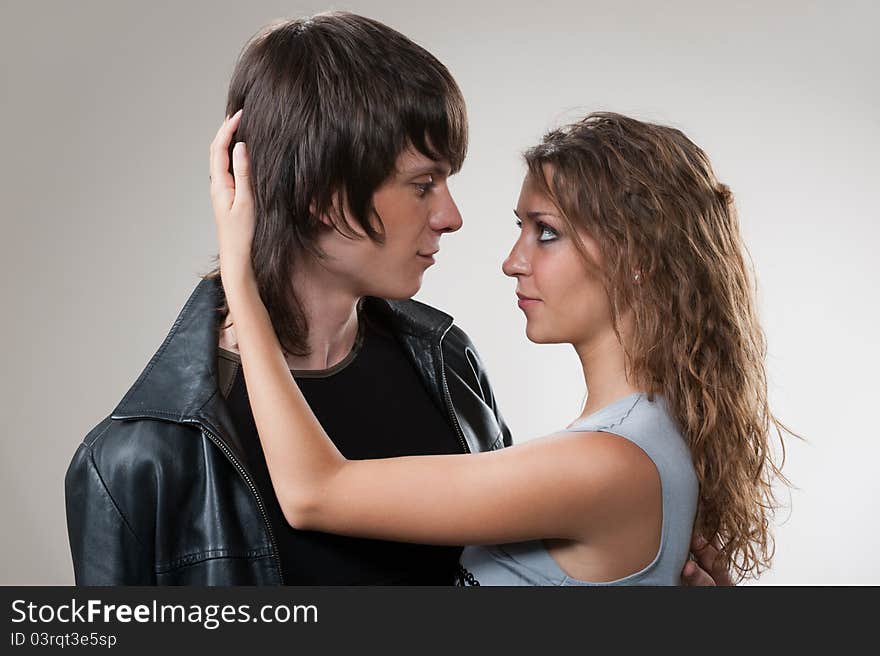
x: 534, y: 214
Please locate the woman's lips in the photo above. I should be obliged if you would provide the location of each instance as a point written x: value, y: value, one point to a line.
x: 526, y: 301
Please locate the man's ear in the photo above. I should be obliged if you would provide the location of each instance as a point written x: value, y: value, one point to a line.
x: 324, y: 217
x: 337, y: 216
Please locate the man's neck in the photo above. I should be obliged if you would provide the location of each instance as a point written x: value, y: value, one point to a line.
x: 331, y: 312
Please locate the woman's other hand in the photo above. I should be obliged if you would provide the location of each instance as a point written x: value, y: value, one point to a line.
x: 704, y: 570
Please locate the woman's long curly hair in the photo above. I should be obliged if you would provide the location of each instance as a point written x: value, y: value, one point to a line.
x: 672, y: 255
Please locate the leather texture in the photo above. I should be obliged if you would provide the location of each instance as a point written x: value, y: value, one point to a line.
x: 158, y: 494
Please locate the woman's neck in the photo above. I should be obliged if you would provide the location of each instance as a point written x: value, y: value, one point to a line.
x: 603, y: 361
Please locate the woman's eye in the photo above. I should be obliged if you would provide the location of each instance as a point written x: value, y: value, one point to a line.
x: 518, y: 223
x: 547, y: 233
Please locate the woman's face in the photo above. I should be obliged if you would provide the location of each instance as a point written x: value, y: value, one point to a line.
x: 564, y: 302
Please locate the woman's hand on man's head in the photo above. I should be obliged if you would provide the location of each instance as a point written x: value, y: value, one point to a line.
x: 232, y: 200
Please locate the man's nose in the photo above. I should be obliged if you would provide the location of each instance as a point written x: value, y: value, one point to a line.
x: 517, y: 262
x: 446, y: 218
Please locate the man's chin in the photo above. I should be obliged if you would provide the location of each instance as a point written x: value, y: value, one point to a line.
x: 402, y: 292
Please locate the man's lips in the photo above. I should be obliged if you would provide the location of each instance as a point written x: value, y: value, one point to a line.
x: 427, y: 258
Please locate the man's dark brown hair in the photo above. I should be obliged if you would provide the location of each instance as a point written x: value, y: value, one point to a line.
x: 329, y: 103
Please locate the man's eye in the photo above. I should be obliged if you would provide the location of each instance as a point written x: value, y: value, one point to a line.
x: 423, y: 187
x: 518, y: 223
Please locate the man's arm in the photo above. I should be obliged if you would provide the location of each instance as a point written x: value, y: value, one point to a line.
x: 104, y: 548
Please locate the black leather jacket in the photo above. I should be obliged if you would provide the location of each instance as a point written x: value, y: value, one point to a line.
x: 157, y: 493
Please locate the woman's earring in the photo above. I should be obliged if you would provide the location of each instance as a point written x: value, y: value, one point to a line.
x: 637, y: 276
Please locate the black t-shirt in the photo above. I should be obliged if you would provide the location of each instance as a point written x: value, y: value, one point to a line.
x: 372, y: 405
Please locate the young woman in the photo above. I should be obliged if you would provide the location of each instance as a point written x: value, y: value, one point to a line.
x: 630, y: 251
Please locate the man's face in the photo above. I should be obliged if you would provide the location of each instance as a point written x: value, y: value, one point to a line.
x: 416, y: 208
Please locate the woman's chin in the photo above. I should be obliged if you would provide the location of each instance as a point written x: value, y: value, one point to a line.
x: 539, y: 334
x: 535, y: 335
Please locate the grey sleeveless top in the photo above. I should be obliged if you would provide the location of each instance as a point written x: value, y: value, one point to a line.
x: 649, y: 426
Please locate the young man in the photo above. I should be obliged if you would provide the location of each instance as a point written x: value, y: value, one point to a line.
x: 353, y: 131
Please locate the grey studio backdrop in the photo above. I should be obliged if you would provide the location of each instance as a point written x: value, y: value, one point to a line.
x: 108, y: 109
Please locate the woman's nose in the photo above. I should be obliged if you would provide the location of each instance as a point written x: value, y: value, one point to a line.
x: 516, y: 263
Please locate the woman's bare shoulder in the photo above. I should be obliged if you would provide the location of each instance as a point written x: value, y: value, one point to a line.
x: 618, y: 474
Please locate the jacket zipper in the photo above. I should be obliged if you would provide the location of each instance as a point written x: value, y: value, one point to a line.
x: 461, y: 573
x: 216, y: 440
x: 448, y: 399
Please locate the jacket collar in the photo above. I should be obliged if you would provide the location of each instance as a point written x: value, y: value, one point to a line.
x: 410, y: 317
x: 181, y: 376
x: 180, y: 382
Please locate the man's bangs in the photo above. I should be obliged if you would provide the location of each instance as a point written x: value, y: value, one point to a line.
x: 440, y: 134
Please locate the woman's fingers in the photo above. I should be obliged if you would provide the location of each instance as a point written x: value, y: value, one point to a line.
x: 222, y: 182
x: 721, y: 575
x: 231, y: 198
x: 707, y: 557
x: 241, y: 168
x: 211, y: 150
x: 706, y: 553
x: 695, y: 575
